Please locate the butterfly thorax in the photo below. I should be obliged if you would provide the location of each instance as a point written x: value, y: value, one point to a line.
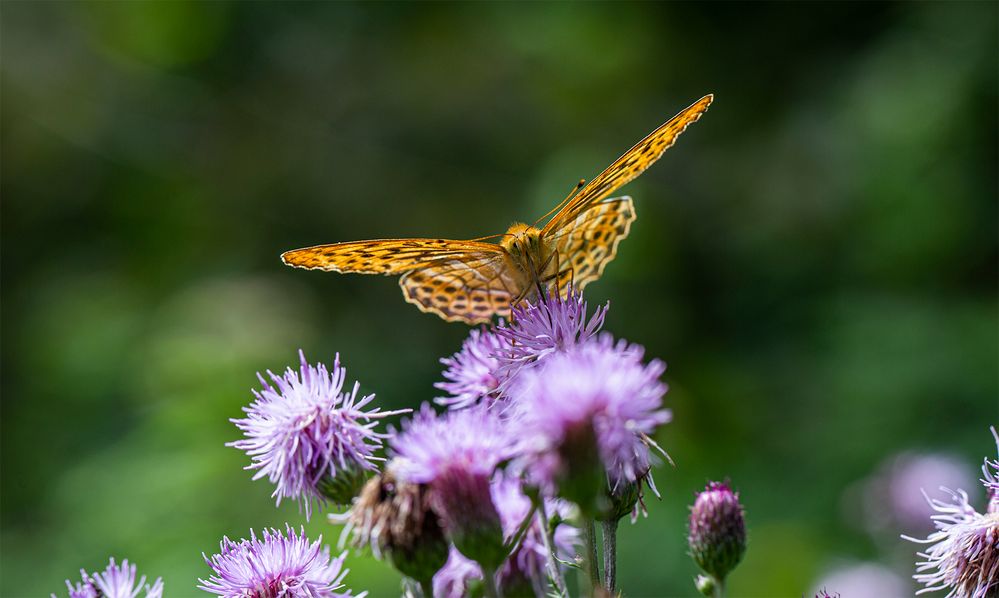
x: 530, y: 252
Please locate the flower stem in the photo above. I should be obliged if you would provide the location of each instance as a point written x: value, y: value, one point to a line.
x: 592, y: 565
x: 719, y: 588
x: 553, y: 569
x: 521, y: 531
x: 427, y: 587
x: 489, y: 581
x: 610, y: 553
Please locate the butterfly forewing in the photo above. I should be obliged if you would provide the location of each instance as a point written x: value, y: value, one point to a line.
x: 587, y: 244
x: 385, y: 256
x: 630, y: 165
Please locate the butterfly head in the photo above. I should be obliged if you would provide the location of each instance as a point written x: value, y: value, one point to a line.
x: 522, y: 242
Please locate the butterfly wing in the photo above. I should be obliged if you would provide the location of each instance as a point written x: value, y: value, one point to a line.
x: 458, y: 280
x: 469, y: 288
x: 385, y: 256
x: 587, y: 244
x: 630, y: 165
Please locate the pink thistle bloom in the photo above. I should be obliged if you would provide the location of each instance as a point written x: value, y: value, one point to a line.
x: 305, y: 431
x: 276, y: 566
x: 116, y: 581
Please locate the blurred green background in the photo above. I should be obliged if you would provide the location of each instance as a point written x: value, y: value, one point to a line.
x: 816, y: 258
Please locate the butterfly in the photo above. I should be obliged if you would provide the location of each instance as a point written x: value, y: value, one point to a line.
x: 471, y: 281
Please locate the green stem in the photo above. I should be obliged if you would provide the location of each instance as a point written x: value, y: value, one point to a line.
x: 521, y: 531
x: 553, y: 569
x: 592, y: 565
x: 427, y: 587
x: 489, y: 581
x: 610, y: 554
x: 719, y: 588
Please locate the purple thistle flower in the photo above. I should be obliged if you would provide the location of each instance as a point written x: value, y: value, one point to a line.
x: 455, y: 454
x: 601, y: 391
x: 430, y: 445
x: 276, y: 566
x: 473, y: 373
x: 964, y: 554
x: 552, y: 325
x: 304, y: 434
x: 114, y: 582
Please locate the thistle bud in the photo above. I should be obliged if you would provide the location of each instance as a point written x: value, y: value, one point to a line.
x: 705, y: 585
x: 622, y: 501
x: 717, y: 530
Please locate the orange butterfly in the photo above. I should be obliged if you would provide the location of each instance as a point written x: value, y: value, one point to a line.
x: 470, y: 281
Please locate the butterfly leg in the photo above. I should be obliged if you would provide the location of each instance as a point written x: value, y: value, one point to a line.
x: 558, y: 273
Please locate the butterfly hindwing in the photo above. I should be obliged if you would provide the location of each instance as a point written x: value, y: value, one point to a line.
x: 586, y: 245
x: 465, y: 290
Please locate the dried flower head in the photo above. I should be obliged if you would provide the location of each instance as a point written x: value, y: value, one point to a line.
x: 717, y: 531
x: 395, y: 520
x: 963, y: 556
x: 116, y: 581
x: 276, y: 566
x: 306, y: 435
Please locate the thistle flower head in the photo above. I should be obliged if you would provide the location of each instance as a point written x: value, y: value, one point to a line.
x: 472, y: 373
x: 276, y: 565
x: 963, y: 556
x: 455, y: 455
x: 551, y: 325
x: 116, y: 581
x: 306, y: 435
x: 717, y: 531
x: 430, y: 445
x: 599, y: 392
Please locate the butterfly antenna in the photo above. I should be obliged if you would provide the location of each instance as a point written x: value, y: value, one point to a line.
x: 561, y: 204
x: 490, y: 237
